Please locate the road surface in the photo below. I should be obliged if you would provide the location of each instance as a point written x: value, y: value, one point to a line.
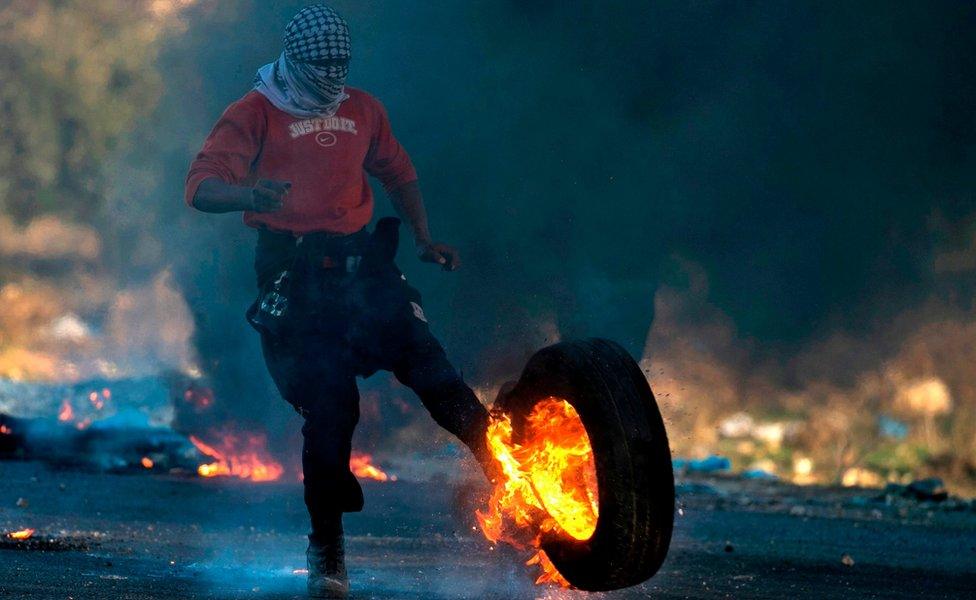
x: 141, y: 536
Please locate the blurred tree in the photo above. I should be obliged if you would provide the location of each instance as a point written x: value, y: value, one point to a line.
x: 77, y: 75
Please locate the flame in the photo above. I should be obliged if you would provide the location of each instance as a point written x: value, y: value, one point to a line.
x: 245, y: 458
x: 66, y: 413
x: 23, y: 534
x: 548, y: 573
x: 548, y: 486
x: 4, y: 430
x: 147, y: 462
x: 362, y: 466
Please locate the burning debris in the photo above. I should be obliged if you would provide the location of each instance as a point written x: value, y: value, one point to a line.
x: 139, y: 425
x: 101, y: 446
x: 28, y: 539
x: 244, y: 456
x: 361, y: 465
x: 23, y: 534
x: 126, y: 425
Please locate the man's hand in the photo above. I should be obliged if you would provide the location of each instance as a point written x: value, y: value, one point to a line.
x: 410, y: 206
x: 268, y: 195
x: 215, y: 196
x: 442, y: 254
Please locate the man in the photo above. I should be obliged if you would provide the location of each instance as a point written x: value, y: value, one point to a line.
x: 293, y: 155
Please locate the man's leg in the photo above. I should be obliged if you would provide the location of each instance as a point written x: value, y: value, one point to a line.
x: 423, y: 366
x: 312, y: 377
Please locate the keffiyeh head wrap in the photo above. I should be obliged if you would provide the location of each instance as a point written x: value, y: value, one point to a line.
x: 298, y: 82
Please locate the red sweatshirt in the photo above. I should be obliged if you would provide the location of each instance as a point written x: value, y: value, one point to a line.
x: 325, y: 159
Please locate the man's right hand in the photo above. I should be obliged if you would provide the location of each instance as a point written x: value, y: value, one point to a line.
x: 215, y: 196
x: 268, y: 195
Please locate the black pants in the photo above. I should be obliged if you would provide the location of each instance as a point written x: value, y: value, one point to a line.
x: 341, y: 325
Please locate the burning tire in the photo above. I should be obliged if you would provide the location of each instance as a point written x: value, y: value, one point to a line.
x: 629, y: 531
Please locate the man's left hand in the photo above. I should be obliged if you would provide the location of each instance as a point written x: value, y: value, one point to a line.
x: 442, y: 254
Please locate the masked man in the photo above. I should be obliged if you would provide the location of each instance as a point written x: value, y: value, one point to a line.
x: 293, y: 155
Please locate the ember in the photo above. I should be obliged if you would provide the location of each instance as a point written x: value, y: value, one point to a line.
x: 96, y: 400
x: 362, y: 466
x: 67, y: 413
x: 549, y: 484
x: 244, y: 457
x: 23, y: 534
x: 199, y: 397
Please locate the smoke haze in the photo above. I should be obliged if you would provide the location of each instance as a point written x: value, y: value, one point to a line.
x: 785, y: 191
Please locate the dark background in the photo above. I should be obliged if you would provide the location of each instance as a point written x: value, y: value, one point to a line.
x: 778, y: 175
x: 806, y: 156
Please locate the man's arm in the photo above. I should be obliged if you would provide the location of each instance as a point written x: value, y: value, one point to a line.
x: 215, y: 196
x: 409, y: 204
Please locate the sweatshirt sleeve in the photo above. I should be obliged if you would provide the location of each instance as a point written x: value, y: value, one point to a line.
x: 386, y: 159
x: 230, y: 149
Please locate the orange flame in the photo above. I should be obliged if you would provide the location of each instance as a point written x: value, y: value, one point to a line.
x: 147, y: 462
x: 548, y: 485
x: 66, y: 413
x: 23, y: 534
x: 362, y: 466
x: 245, y: 458
x: 4, y: 430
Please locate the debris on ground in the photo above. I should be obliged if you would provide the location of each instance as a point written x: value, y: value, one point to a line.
x: 35, y: 542
x: 712, y: 464
x: 930, y: 490
x: 694, y: 488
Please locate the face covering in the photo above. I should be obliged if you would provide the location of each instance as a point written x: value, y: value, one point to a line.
x: 308, y: 79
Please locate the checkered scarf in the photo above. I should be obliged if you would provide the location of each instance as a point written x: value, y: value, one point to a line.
x: 296, y: 85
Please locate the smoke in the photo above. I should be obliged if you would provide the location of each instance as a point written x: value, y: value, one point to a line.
x: 811, y: 166
x: 895, y: 401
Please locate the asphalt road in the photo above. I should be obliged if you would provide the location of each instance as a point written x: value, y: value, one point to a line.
x: 155, y: 536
